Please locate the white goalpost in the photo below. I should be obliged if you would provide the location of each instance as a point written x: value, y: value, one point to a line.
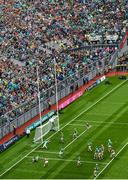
x: 42, y: 130
x: 52, y: 123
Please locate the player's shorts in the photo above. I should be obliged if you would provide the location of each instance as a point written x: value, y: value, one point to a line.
x: 46, y: 162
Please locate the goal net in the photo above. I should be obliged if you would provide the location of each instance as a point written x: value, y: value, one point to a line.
x: 42, y: 130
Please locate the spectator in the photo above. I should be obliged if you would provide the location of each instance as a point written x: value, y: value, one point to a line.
x: 14, y: 129
x: 28, y: 132
x: 34, y: 32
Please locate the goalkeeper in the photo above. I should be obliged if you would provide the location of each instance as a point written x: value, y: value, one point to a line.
x: 45, y: 144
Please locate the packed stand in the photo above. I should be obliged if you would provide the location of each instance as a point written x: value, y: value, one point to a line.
x: 27, y: 27
x: 37, y: 31
x: 18, y: 84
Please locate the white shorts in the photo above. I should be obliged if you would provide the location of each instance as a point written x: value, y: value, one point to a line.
x: 46, y: 162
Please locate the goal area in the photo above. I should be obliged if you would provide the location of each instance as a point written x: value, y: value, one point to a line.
x: 42, y: 130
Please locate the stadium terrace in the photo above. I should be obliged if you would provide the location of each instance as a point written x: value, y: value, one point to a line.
x: 74, y: 44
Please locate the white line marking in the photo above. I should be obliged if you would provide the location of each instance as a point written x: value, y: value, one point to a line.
x: 68, y: 160
x: 64, y: 126
x: 110, y: 161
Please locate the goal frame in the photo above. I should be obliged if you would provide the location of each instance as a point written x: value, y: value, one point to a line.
x: 49, y: 125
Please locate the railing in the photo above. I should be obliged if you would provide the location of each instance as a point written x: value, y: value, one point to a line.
x: 92, y: 47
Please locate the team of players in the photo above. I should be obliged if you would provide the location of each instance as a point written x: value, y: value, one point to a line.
x: 98, y: 152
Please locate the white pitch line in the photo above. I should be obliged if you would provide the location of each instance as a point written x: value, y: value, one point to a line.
x: 69, y: 160
x: 110, y: 161
x: 64, y: 126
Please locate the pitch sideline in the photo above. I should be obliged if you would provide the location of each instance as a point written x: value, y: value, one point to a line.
x: 110, y: 161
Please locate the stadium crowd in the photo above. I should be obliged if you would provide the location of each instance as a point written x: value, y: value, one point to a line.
x: 37, y: 31
x: 28, y: 26
x: 18, y: 83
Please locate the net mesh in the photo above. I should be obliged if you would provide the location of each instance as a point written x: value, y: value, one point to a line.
x: 41, y: 131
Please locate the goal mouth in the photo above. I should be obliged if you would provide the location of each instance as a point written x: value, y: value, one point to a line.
x: 44, y: 129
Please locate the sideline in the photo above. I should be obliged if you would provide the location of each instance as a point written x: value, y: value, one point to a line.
x: 110, y: 161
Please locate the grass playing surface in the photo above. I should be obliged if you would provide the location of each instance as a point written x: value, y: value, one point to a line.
x: 105, y: 108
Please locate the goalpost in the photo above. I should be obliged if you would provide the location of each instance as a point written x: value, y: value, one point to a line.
x: 53, y: 123
x: 41, y: 131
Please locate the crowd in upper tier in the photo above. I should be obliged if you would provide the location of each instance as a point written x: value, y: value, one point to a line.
x: 27, y: 26
x: 37, y: 31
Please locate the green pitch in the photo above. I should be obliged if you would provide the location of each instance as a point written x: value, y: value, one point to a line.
x: 105, y: 108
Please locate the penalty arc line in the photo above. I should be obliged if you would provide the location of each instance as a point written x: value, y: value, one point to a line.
x: 116, y: 87
x: 110, y: 161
